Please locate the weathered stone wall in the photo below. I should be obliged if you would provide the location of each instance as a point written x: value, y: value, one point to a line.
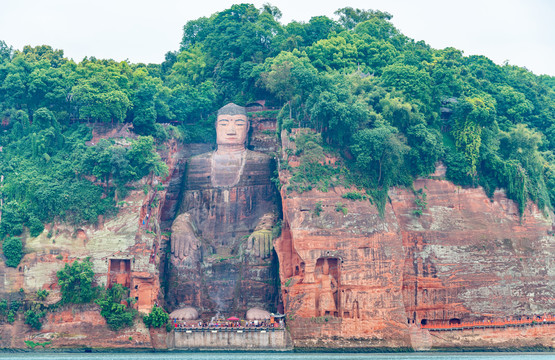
x: 276, y: 340
x: 83, y: 327
x: 122, y: 237
x: 466, y: 257
x: 470, y: 257
x: 527, y: 337
x: 367, y: 258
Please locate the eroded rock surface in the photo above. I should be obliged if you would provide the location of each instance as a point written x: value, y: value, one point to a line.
x: 365, y: 257
x: 466, y: 257
x: 470, y: 257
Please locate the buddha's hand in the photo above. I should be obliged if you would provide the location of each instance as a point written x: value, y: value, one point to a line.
x: 184, y: 242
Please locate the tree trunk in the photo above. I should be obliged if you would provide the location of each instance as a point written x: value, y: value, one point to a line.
x: 290, y: 110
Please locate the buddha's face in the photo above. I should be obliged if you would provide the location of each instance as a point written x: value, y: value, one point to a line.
x: 232, y: 129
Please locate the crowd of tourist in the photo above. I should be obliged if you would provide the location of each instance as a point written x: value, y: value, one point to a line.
x: 226, y: 324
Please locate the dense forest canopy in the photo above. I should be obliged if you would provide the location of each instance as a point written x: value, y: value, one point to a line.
x: 389, y: 106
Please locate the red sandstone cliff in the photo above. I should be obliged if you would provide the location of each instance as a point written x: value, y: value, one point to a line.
x: 351, y: 279
x: 469, y: 257
x: 366, y: 259
x: 466, y: 257
x: 125, y: 249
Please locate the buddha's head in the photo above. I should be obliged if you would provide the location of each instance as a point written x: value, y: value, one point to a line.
x: 326, y: 267
x: 232, y: 126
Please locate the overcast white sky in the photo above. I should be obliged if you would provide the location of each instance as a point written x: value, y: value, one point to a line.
x: 520, y: 31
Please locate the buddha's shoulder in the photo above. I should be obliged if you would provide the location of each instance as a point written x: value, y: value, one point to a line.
x: 257, y: 156
x: 201, y: 158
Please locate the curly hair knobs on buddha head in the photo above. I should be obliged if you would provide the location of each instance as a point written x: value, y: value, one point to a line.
x: 232, y: 109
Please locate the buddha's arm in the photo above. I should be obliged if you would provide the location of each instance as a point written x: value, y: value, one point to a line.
x: 333, y: 283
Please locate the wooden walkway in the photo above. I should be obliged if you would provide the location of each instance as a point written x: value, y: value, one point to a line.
x: 543, y: 320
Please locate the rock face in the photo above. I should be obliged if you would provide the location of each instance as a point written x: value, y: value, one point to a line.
x: 221, y: 249
x: 358, y: 299
x: 466, y: 257
x: 124, y: 249
x: 469, y: 257
x: 349, y: 277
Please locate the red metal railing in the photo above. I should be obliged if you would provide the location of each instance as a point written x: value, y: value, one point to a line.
x: 541, y: 320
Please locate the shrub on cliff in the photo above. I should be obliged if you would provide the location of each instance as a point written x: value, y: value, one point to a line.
x: 36, y: 227
x: 157, y: 317
x: 3, y: 307
x: 13, y: 251
x: 33, y: 319
x: 42, y: 294
x: 115, y: 308
x: 76, y: 282
x: 11, y: 317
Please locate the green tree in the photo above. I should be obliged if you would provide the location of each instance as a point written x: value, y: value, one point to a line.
x: 143, y: 158
x: 415, y: 83
x: 512, y: 104
x: 33, y: 319
x: 399, y: 113
x: 425, y: 149
x: 290, y: 76
x: 235, y: 38
x: 189, y: 104
x: 334, y: 53
x: 5, y: 51
x: 157, y: 317
x: 300, y: 35
x: 379, y: 155
x: 471, y: 115
x: 13, y: 216
x: 350, y: 17
x: 36, y: 226
x: 525, y: 168
x: 12, y: 248
x: 42, y: 294
x: 76, y: 282
x: 112, y: 307
x: 336, y: 111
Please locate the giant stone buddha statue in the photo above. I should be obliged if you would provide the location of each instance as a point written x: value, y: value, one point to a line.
x: 221, y: 242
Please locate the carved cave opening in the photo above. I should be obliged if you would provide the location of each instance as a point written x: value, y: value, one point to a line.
x: 349, y: 304
x: 292, y: 264
x: 119, y: 272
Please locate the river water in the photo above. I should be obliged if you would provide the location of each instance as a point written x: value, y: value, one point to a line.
x: 275, y: 356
